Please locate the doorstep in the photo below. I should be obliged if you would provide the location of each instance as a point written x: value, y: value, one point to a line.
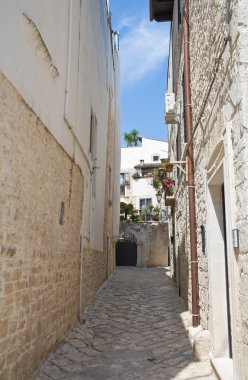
x: 223, y: 368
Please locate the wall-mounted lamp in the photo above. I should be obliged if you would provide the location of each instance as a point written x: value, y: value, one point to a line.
x: 235, y: 238
x: 158, y: 196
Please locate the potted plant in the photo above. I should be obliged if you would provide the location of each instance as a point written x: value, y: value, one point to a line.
x: 136, y: 175
x: 168, y: 185
x: 169, y: 167
x: 162, y: 183
x: 169, y: 191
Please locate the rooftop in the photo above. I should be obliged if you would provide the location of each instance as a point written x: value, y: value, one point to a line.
x: 147, y: 166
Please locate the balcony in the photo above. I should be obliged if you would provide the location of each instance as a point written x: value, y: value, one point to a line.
x: 161, y: 10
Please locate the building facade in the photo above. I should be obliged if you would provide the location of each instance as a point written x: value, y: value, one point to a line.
x: 137, y: 164
x: 218, y: 36
x: 59, y: 171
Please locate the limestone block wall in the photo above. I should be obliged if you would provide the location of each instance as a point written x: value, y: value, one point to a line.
x: 94, y: 273
x: 159, y: 252
x: 152, y: 243
x: 41, y: 192
x: 60, y: 119
x: 182, y: 266
x: 240, y: 143
x: 217, y: 63
x: 218, y: 32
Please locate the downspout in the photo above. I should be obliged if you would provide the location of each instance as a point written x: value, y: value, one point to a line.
x: 67, y: 84
x: 191, y: 184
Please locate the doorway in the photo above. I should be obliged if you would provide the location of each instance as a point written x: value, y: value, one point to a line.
x: 126, y: 253
x: 220, y: 316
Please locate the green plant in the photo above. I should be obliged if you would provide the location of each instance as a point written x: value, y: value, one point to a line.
x: 155, y: 213
x: 126, y: 208
x: 156, y: 180
x: 136, y: 175
x: 131, y: 138
x: 161, y: 181
x: 169, y: 191
x: 134, y: 217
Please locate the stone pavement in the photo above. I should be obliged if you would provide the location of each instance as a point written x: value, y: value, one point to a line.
x: 133, y: 330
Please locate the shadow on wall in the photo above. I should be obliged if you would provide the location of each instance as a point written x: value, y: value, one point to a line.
x: 182, y: 272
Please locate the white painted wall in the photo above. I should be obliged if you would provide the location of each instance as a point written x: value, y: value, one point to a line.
x: 130, y: 157
x: 74, y: 37
x: 117, y: 163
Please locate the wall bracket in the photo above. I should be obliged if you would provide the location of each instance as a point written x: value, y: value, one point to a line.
x: 179, y: 165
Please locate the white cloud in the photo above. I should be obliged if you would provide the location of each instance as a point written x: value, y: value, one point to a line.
x: 143, y: 49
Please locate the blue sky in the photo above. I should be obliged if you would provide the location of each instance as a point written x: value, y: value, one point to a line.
x: 143, y: 56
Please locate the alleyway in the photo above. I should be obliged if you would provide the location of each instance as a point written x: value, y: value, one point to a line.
x: 133, y: 330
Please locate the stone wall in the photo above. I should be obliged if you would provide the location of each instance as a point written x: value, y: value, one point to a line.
x: 39, y: 247
x: 219, y: 106
x: 152, y: 243
x: 94, y: 273
x: 109, y: 239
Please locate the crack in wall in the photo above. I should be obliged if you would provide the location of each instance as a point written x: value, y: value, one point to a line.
x: 40, y: 46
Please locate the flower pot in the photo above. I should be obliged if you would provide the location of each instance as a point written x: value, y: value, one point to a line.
x: 169, y: 191
x: 164, y: 160
x: 169, y: 168
x: 161, y: 173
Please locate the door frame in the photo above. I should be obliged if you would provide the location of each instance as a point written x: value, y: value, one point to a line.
x: 219, y: 171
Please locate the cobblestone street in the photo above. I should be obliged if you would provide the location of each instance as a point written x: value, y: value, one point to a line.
x: 133, y: 330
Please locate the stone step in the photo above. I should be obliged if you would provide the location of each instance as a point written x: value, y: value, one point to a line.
x: 197, y: 371
x: 223, y: 368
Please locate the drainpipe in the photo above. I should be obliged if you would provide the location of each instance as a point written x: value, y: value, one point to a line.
x: 191, y: 184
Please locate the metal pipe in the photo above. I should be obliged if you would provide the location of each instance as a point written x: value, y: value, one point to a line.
x: 191, y: 184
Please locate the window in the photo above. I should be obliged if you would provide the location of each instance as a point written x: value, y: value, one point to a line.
x: 155, y: 158
x: 178, y: 149
x: 122, y: 179
x: 178, y: 145
x: 179, y: 14
x: 122, y: 191
x: 122, y: 184
x: 144, y: 202
x: 62, y: 214
x: 145, y: 172
x: 184, y: 112
x: 110, y: 184
x: 93, y: 149
x: 93, y: 136
x: 127, y: 179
